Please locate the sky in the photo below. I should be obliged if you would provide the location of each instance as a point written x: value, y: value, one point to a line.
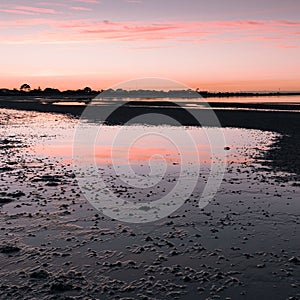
x: 228, y: 45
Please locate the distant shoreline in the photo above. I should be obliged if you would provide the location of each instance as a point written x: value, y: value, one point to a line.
x: 75, y: 104
x: 87, y: 95
x: 247, y: 94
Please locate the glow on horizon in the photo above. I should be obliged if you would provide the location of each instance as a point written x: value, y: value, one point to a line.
x: 71, y: 44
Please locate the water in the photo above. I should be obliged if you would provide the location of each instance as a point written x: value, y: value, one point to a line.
x: 194, y: 102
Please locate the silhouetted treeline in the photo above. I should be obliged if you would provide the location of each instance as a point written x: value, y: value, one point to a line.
x: 206, y: 94
x: 87, y: 92
x: 49, y: 92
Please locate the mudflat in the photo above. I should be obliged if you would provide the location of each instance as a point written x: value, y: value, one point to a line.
x: 55, y: 245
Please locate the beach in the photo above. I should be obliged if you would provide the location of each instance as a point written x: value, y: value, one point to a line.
x: 243, y: 245
x: 150, y: 150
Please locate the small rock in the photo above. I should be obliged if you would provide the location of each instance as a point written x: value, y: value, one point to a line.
x: 59, y: 287
x: 7, y: 249
x: 294, y: 260
x: 16, y: 194
x: 148, y: 239
x: 40, y: 274
x: 5, y: 200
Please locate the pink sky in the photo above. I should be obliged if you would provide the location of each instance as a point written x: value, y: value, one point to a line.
x: 206, y: 45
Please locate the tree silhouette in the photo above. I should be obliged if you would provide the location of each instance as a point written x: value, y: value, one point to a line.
x: 87, y: 90
x: 51, y: 91
x: 25, y: 87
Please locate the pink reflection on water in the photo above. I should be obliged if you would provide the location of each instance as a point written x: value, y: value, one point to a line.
x: 157, y: 148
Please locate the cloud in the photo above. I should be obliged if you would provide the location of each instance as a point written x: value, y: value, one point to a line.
x: 28, y: 10
x: 225, y: 31
x: 87, y: 1
x: 80, y: 8
x: 15, y: 11
x: 133, y: 1
x: 287, y: 23
x: 36, y: 9
x: 270, y: 32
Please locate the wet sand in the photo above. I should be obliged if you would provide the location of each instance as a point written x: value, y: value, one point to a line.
x: 243, y: 245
